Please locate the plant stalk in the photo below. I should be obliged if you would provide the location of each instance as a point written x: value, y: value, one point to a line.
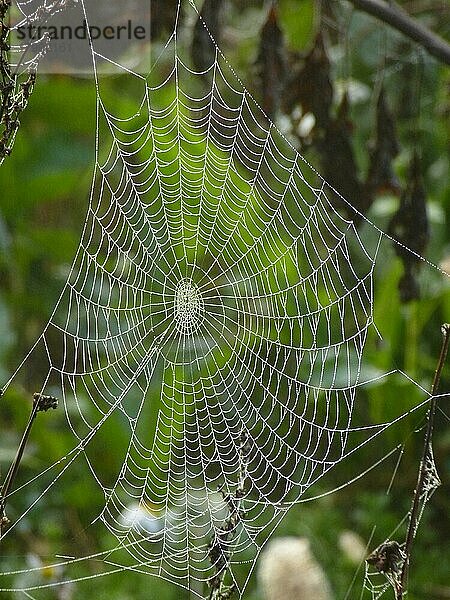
x: 427, y: 449
x: 40, y: 403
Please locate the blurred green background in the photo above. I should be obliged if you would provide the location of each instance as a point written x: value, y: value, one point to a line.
x: 44, y: 193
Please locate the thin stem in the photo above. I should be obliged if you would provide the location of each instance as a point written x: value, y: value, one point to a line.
x: 40, y: 403
x: 9, y: 480
x: 415, y: 508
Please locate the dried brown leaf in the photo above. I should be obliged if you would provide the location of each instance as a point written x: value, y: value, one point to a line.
x: 209, y: 23
x: 310, y: 85
x: 271, y: 63
x: 339, y: 163
x: 381, y: 177
x: 410, y: 227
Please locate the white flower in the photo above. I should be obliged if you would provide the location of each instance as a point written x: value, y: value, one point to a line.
x: 288, y: 571
x: 352, y: 546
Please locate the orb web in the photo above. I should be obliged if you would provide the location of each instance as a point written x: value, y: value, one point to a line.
x: 216, y: 313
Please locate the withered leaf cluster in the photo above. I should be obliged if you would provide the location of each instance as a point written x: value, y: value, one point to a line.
x: 163, y: 15
x: 208, y: 27
x: 381, y: 177
x: 309, y: 84
x: 410, y: 227
x: 14, y: 94
x: 294, y: 84
x: 271, y: 64
x: 310, y: 88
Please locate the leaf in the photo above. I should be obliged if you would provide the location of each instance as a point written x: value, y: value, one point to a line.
x: 339, y: 163
x: 381, y: 176
x: 271, y: 63
x: 298, y: 20
x: 410, y: 227
x: 310, y: 86
x: 163, y: 15
x: 203, y: 49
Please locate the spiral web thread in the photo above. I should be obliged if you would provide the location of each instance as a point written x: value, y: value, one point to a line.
x: 217, y: 310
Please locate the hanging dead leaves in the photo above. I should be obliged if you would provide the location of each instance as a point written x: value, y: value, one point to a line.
x: 271, y: 64
x: 339, y: 164
x: 163, y: 15
x: 310, y: 91
x: 207, y: 33
x: 309, y: 85
x: 381, y: 177
x: 410, y: 227
x: 301, y: 89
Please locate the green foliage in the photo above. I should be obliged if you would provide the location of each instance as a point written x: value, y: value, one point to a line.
x: 298, y: 20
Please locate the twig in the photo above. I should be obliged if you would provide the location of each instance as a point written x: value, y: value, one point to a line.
x: 396, y: 17
x: 427, y: 453
x: 391, y: 558
x: 40, y: 403
x: 219, y: 546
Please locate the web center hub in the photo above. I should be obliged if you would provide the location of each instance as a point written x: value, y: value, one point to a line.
x: 188, y: 306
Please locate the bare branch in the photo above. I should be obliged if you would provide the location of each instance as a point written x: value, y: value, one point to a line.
x: 427, y: 454
x: 41, y: 403
x: 396, y: 17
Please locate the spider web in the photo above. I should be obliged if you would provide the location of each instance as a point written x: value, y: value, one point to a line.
x: 216, y: 311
